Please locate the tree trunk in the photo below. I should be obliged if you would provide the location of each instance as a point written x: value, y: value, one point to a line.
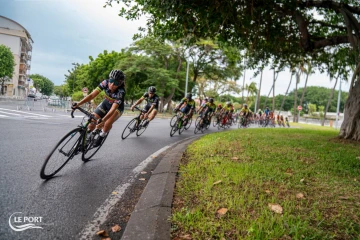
x: 2, y: 87
x: 273, y: 108
x: 259, y: 94
x: 243, y: 86
x: 350, y: 128
x: 268, y: 96
x: 303, y: 93
x: 287, y: 90
x: 329, y: 101
x: 295, y: 97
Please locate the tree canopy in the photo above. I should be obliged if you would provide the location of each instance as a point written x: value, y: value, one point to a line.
x: 42, y: 84
x: 7, y: 64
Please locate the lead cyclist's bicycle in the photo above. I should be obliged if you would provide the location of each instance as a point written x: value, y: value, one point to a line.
x: 73, y: 143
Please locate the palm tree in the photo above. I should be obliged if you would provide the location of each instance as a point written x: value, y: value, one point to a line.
x: 259, y: 91
x: 330, y: 98
x: 308, y: 72
x: 251, y: 90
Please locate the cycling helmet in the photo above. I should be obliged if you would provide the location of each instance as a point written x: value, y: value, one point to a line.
x: 245, y: 105
x: 228, y: 103
x: 206, y: 99
x: 219, y: 106
x: 117, y: 75
x: 211, y: 100
x: 152, y: 89
x: 189, y: 96
x: 267, y: 108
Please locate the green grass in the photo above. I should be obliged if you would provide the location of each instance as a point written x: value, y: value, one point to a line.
x: 258, y: 167
x: 313, y: 127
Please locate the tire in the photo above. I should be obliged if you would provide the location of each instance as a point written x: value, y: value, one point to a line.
x: 173, y: 129
x: 197, y: 120
x: 142, y: 129
x: 196, y: 130
x: 187, y: 126
x: 129, y: 129
x: 69, y: 147
x: 173, y: 120
x: 89, y: 152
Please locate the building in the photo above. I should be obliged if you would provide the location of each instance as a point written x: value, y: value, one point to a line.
x: 18, y: 39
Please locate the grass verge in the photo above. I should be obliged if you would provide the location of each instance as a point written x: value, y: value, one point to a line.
x: 268, y: 184
x: 313, y: 127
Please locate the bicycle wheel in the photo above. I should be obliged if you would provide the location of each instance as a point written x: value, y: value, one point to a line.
x: 129, y: 129
x: 173, y: 120
x: 64, y: 150
x: 181, y: 126
x: 174, y: 129
x: 189, y: 121
x: 88, y: 149
x: 141, y: 128
x: 197, y: 127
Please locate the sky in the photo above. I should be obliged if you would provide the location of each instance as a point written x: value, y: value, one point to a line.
x: 68, y: 31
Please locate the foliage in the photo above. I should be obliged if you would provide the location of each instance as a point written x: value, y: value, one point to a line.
x: 42, y: 84
x: 7, y: 64
x: 311, y: 108
x: 77, y: 96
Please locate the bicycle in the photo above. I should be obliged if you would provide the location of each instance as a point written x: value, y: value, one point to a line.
x: 73, y: 143
x: 136, y: 124
x: 180, y: 124
x: 243, y: 123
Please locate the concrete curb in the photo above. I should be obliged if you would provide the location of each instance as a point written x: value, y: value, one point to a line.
x: 150, y: 218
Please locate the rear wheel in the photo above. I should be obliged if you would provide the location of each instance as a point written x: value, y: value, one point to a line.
x: 88, y: 145
x: 129, y: 129
x: 188, y: 124
x: 142, y: 128
x: 64, y: 150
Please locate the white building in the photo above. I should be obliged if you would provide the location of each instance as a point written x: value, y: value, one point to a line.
x: 18, y: 39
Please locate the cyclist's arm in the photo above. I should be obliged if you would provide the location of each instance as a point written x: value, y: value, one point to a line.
x: 89, y: 97
x: 138, y: 101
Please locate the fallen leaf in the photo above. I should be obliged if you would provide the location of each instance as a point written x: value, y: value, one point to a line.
x: 186, y: 237
x: 343, y: 198
x: 303, y: 179
x: 143, y: 172
x: 275, y: 208
x: 114, y: 193
x: 268, y: 191
x: 235, y: 158
x: 116, y: 228
x: 217, y: 182
x: 300, y: 196
x: 222, y: 211
x: 142, y: 179
x: 358, y: 157
x: 102, y: 233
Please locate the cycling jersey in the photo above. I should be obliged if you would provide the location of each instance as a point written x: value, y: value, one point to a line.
x: 110, y: 98
x: 211, y: 106
x: 218, y: 109
x: 190, y: 104
x: 154, y: 100
x: 245, y: 110
x: 228, y: 108
x: 267, y: 112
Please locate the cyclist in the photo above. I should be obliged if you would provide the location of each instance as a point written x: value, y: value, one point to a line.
x: 111, y: 108
x: 218, y: 112
x: 151, y: 107
x: 282, y: 120
x: 245, y: 111
x: 209, y: 109
x: 267, y: 111
x: 225, y: 111
x: 187, y: 106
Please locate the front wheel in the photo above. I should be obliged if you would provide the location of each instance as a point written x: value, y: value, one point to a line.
x: 64, y: 150
x: 174, y: 129
x: 173, y: 120
x: 129, y: 129
x: 188, y: 124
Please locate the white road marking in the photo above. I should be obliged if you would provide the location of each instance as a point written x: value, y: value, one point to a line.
x: 26, y: 112
x: 102, y: 212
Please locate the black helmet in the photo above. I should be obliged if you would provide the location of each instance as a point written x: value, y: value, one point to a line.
x: 206, y: 99
x: 189, y: 96
x: 245, y: 105
x: 211, y: 100
x: 152, y: 89
x: 117, y: 75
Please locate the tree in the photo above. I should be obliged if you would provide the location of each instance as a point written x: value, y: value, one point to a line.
x: 287, y: 90
x: 267, y: 28
x: 311, y: 108
x: 308, y: 71
x: 44, y: 85
x: 7, y: 64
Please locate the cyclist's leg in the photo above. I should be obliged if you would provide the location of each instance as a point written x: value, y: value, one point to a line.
x: 99, y: 112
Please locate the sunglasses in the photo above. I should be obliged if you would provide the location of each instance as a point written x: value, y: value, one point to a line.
x: 151, y: 93
x: 116, y: 83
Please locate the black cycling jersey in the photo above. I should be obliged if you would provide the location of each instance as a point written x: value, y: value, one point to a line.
x: 110, y: 98
x: 154, y: 100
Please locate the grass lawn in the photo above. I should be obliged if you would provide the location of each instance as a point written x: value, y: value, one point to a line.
x: 268, y: 184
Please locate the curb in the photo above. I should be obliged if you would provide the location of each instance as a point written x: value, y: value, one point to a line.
x: 150, y: 218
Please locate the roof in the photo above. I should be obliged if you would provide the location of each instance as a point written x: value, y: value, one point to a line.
x: 27, y: 33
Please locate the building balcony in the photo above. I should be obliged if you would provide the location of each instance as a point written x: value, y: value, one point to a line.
x: 22, y: 72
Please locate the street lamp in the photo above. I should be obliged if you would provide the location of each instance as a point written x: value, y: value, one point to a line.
x: 75, y: 65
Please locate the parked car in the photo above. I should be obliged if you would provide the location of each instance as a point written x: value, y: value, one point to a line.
x: 54, y: 101
x: 31, y: 95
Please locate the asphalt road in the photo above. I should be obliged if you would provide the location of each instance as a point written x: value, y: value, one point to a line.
x: 68, y: 202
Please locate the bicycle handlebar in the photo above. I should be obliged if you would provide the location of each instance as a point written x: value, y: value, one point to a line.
x: 83, y: 111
